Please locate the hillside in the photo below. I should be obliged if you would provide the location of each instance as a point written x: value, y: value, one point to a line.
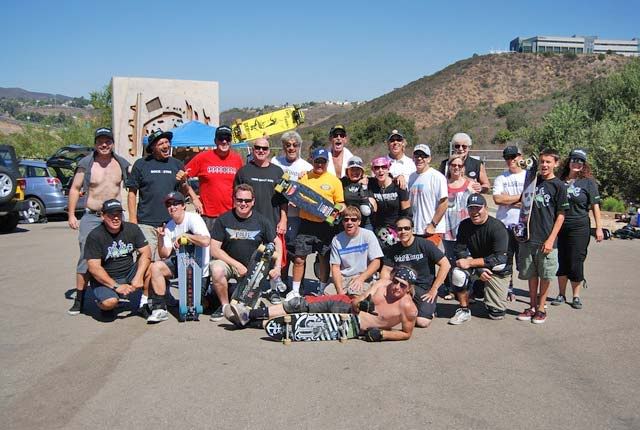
x: 19, y: 93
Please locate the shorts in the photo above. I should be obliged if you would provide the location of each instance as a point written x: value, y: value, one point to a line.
x: 313, y: 237
x: 102, y: 292
x: 88, y: 222
x: 293, y: 226
x: 172, y: 265
x: 301, y: 305
x: 209, y: 221
x: 495, y: 292
x: 425, y: 309
x: 229, y: 271
x: 150, y: 234
x: 346, y: 280
x: 534, y: 263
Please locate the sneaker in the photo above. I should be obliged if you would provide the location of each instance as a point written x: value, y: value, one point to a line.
x: 291, y: 294
x: 495, y: 314
x: 526, y: 315
x: 158, y: 315
x: 511, y: 295
x: 239, y: 314
x: 539, y: 317
x: 558, y: 300
x: 577, y: 303
x: 76, y: 308
x: 461, y: 316
x: 275, y: 298
x: 218, y: 314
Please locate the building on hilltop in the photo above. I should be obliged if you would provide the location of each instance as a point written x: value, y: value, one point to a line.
x: 576, y: 45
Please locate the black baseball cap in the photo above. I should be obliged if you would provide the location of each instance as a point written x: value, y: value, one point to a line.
x: 395, y: 133
x: 111, y: 206
x: 337, y: 127
x: 157, y: 135
x: 103, y: 131
x: 223, y: 130
x: 580, y: 154
x: 476, y: 200
x: 510, y: 152
x: 175, y: 196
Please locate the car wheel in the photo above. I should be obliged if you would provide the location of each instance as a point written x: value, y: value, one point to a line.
x: 7, y: 185
x: 35, y: 208
x: 9, y: 222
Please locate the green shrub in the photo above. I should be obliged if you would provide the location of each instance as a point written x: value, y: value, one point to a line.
x: 601, y: 57
x: 611, y: 204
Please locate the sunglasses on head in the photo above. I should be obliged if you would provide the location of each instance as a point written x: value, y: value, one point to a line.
x: 458, y: 146
x: 398, y: 282
x: 403, y: 228
x: 239, y: 200
x: 260, y: 148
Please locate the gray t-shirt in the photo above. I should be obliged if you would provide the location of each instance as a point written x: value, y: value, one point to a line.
x: 353, y: 254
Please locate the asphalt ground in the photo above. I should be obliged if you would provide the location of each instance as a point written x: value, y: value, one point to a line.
x: 578, y: 370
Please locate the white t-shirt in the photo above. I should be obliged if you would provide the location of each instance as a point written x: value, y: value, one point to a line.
x: 404, y: 166
x: 295, y: 170
x: 193, y: 224
x: 346, y: 154
x: 425, y: 191
x: 511, y: 184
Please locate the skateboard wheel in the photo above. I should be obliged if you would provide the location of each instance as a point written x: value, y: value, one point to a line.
x: 342, y: 340
x: 287, y: 319
x: 261, y: 248
x: 286, y: 176
x: 238, y: 121
x: 278, y: 188
x: 184, y: 240
x: 286, y: 341
x: 330, y: 219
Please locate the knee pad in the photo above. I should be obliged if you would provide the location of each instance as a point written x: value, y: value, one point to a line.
x: 296, y: 305
x: 459, y: 279
x: 365, y: 210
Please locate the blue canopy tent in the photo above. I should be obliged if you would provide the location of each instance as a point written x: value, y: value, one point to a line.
x: 196, y: 134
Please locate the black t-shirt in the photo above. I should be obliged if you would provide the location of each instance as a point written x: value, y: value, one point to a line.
x: 484, y: 240
x: 471, y: 168
x: 422, y: 256
x: 355, y: 195
x: 240, y: 237
x: 115, y: 250
x: 263, y: 180
x: 550, y: 200
x: 154, y: 179
x: 581, y: 194
x: 388, y: 199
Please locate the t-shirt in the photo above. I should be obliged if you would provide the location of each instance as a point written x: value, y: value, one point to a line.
x: 263, y: 180
x: 422, y: 256
x: 115, y: 251
x: 511, y: 184
x: 484, y: 240
x: 193, y: 224
x: 426, y: 190
x: 327, y: 185
x: 404, y: 166
x: 296, y: 170
x: 353, y: 254
x: 388, y: 199
x: 550, y: 200
x: 356, y: 194
x: 154, y: 179
x: 582, y: 194
x: 472, y: 167
x: 215, y: 176
x: 240, y: 237
x: 456, y: 209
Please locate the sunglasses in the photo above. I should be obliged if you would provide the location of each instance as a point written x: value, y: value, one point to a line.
x: 173, y: 203
x: 395, y: 139
x: 117, y: 214
x: 342, y: 135
x: 239, y: 200
x: 458, y: 146
x: 420, y: 156
x: 407, y: 228
x: 350, y: 219
x: 291, y: 145
x: 260, y: 148
x: 459, y: 166
x: 402, y: 284
x: 380, y: 167
x: 510, y: 157
x: 577, y: 161
x: 320, y: 161
x: 223, y: 138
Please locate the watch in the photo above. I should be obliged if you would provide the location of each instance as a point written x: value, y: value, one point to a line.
x: 115, y: 286
x: 434, y: 223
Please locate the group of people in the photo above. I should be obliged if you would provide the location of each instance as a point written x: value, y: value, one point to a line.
x: 408, y: 233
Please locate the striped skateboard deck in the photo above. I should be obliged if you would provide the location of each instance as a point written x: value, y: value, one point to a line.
x: 306, y: 327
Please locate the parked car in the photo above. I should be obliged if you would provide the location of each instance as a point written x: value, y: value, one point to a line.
x: 11, y: 189
x: 71, y: 152
x: 46, y: 190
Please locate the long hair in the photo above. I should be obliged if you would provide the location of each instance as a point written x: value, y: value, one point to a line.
x: 582, y: 174
x: 451, y: 160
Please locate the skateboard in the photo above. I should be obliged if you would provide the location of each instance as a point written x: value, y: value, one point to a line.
x: 308, y: 200
x: 306, y: 327
x: 189, y: 280
x: 267, y: 124
x: 248, y: 290
x: 521, y: 229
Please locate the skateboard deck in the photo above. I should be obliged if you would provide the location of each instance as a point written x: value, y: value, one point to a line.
x: 521, y: 229
x: 248, y: 290
x: 268, y: 124
x: 308, y: 200
x: 189, y: 280
x: 306, y: 327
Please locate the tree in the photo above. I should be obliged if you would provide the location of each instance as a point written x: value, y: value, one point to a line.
x: 102, y: 102
x: 376, y: 129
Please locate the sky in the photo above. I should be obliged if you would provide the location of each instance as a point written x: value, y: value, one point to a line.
x: 276, y: 52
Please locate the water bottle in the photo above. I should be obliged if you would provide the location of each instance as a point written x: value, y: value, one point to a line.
x: 278, y: 285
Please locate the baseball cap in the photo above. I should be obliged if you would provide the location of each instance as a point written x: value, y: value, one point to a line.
x: 380, y: 161
x: 406, y: 274
x: 476, y: 200
x: 103, y: 131
x: 157, y: 135
x: 355, y: 161
x: 580, y: 154
x: 337, y: 128
x: 223, y: 130
x: 111, y: 206
x: 176, y: 196
x: 510, y: 151
x: 422, y: 147
x: 320, y: 153
x: 395, y: 133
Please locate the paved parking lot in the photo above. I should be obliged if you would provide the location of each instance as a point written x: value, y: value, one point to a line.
x: 578, y: 370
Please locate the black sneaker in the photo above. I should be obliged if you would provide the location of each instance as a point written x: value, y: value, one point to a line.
x: 577, y: 303
x: 217, y: 315
x: 76, y: 308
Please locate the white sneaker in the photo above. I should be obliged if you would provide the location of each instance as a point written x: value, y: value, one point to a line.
x: 239, y: 314
x: 157, y: 316
x: 291, y: 294
x: 461, y: 316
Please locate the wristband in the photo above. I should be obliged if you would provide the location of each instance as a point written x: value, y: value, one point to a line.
x: 434, y: 224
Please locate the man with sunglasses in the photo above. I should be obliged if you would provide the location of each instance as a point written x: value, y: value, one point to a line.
x: 236, y: 235
x: 215, y: 170
x: 182, y: 223
x: 481, y: 250
x: 507, y: 189
x: 355, y: 255
x: 400, y: 166
x: 110, y: 251
x: 473, y: 168
x: 382, y: 307
x: 340, y: 154
x: 422, y: 256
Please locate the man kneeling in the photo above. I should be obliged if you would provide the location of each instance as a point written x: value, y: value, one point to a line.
x: 379, y: 309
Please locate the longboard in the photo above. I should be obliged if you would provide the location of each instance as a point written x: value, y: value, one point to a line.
x: 308, y: 200
x: 189, y: 280
x: 266, y: 125
x: 306, y: 327
x: 248, y: 290
x: 521, y: 229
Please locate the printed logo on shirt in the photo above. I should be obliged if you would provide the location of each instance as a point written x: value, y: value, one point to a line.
x: 403, y: 258
x: 325, y: 187
x: 542, y: 198
x: 354, y: 249
x: 161, y: 171
x: 242, y: 234
x: 119, y: 249
x: 227, y: 170
x: 472, y: 174
x: 574, y: 191
x: 386, y: 197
